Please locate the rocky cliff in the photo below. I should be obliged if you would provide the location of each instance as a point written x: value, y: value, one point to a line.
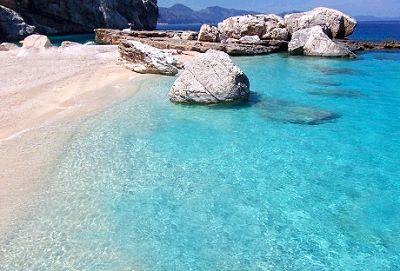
x: 72, y: 16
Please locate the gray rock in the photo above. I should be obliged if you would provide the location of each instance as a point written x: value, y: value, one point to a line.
x: 71, y: 16
x: 267, y: 27
x: 143, y: 58
x: 314, y: 42
x: 339, y: 24
x: 212, y: 78
x: 12, y: 25
x: 209, y: 33
x: 6, y: 46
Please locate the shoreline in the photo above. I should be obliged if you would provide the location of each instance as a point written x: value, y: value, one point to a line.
x: 38, y: 116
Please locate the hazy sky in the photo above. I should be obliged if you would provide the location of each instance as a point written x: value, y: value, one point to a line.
x: 382, y: 8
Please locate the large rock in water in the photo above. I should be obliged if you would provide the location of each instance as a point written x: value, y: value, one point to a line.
x: 339, y: 24
x: 12, y: 25
x: 267, y: 27
x: 212, y: 78
x: 143, y: 58
x: 315, y: 42
x: 71, y: 16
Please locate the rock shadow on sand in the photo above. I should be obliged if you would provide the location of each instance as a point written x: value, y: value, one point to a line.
x: 291, y: 112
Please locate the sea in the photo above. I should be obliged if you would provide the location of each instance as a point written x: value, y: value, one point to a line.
x: 305, y: 176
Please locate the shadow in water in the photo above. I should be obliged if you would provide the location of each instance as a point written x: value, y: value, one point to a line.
x: 337, y: 93
x: 338, y: 71
x: 324, y: 83
x: 291, y: 112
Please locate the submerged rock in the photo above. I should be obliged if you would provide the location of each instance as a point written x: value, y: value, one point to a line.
x: 12, y: 25
x: 339, y: 24
x: 336, y: 93
x: 338, y: 71
x: 315, y: 42
x: 208, y: 33
x: 267, y: 27
x: 211, y: 78
x: 290, y: 112
x: 143, y: 58
x: 36, y: 42
x: 324, y: 83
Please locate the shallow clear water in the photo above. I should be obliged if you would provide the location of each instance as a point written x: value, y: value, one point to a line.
x: 149, y: 185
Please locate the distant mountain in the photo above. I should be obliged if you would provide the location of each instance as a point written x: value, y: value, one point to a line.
x: 181, y: 14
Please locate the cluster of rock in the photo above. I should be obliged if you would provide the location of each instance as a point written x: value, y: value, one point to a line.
x: 244, y: 29
x: 308, y: 33
x: 19, y: 19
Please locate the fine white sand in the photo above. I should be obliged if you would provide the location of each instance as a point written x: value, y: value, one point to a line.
x: 43, y: 96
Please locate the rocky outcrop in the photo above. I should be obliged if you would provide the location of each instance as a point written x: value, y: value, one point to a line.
x: 36, y: 42
x: 266, y: 27
x: 212, y: 78
x: 143, y: 58
x: 165, y: 40
x: 209, y: 33
x: 315, y: 42
x: 71, y: 16
x: 12, y: 25
x: 339, y: 24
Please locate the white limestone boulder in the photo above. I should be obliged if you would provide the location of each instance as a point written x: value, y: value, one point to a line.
x: 7, y: 46
x: 315, y: 42
x: 143, y: 58
x: 36, y: 42
x: 209, y: 33
x: 339, y: 24
x: 211, y: 78
x: 267, y: 27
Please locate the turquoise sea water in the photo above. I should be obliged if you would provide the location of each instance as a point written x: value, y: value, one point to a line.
x: 150, y: 185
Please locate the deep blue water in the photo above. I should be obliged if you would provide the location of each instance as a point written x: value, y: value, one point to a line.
x: 150, y: 185
x: 377, y: 31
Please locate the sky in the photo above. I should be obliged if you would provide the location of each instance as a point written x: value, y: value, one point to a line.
x: 379, y: 8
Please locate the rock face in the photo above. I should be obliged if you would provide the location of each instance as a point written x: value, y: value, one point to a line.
x: 143, y: 58
x: 36, y: 42
x: 315, y: 42
x: 339, y: 24
x: 267, y: 27
x: 71, y: 16
x: 12, y: 25
x: 250, y: 39
x: 208, y: 33
x: 212, y: 78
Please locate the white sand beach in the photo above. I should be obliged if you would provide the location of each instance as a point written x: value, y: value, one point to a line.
x: 43, y: 96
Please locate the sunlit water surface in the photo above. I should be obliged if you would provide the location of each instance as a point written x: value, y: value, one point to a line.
x: 150, y: 185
